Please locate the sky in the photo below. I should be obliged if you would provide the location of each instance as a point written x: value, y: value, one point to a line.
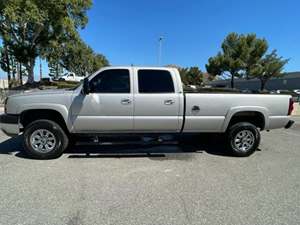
x: 127, y: 32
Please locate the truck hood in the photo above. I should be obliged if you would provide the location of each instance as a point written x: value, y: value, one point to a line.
x: 36, y: 92
x: 38, y: 98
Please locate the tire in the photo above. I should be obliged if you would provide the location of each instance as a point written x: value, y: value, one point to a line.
x: 243, y: 139
x: 72, y: 143
x: 51, y: 146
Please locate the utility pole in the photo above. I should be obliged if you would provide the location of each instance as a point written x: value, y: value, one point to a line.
x: 160, y: 40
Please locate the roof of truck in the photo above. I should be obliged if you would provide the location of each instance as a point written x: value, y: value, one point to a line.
x: 138, y: 67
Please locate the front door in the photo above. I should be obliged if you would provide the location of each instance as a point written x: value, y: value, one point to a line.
x: 109, y: 105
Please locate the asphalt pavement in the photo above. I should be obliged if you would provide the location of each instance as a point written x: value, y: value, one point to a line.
x: 165, y: 184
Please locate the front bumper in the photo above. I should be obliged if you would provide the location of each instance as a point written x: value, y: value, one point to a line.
x: 289, y: 124
x: 9, y: 124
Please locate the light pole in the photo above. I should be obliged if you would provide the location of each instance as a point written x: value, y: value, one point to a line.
x: 160, y: 40
x: 41, y: 73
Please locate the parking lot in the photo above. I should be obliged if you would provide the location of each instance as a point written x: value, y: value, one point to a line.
x: 192, y: 184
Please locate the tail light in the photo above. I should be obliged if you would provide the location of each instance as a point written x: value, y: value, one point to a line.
x: 291, y: 106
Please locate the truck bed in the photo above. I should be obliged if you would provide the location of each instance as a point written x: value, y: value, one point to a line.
x: 216, y: 110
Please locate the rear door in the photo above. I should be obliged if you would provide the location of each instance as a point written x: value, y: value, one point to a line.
x: 156, y: 101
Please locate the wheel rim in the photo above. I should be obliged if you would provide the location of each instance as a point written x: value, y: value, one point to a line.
x: 42, y: 141
x: 244, y: 140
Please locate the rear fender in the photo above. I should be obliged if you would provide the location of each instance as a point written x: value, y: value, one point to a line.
x: 232, y: 111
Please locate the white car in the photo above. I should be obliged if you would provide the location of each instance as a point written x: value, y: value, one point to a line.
x: 297, y: 91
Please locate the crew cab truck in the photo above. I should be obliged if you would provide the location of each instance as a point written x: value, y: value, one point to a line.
x: 141, y: 101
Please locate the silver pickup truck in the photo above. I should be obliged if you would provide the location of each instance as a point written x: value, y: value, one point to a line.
x: 140, y: 101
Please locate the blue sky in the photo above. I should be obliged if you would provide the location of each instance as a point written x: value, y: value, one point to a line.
x: 127, y: 32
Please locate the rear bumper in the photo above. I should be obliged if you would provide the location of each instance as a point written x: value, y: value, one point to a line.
x: 289, y: 124
x: 9, y: 124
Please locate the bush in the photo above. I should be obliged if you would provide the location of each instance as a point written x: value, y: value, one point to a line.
x: 65, y: 84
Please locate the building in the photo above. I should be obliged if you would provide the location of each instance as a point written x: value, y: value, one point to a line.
x: 289, y: 81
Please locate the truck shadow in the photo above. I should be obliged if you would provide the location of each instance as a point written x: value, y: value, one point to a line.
x: 210, y: 145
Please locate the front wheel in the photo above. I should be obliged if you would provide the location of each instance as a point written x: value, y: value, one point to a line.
x: 44, y: 139
x: 243, y: 139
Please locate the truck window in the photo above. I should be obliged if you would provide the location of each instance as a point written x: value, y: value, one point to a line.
x: 155, y: 81
x: 111, y: 81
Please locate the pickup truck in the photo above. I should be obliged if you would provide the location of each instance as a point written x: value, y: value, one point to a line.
x: 140, y: 101
x: 70, y: 77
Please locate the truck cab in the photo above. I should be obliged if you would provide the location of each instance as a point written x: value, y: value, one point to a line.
x: 133, y: 99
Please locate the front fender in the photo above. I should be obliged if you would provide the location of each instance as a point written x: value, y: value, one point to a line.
x: 62, y: 109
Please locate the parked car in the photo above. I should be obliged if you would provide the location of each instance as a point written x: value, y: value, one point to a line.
x: 140, y: 101
x: 70, y: 77
x: 297, y: 91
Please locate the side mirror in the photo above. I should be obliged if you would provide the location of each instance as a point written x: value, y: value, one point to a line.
x: 86, y: 86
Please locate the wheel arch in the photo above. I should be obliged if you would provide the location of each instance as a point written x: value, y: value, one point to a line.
x: 55, y: 114
x: 256, y: 115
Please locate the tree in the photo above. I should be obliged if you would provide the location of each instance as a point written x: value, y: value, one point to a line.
x: 5, y: 63
x: 53, y: 56
x: 79, y: 58
x: 8, y: 64
x: 183, y: 75
x: 55, y: 69
x: 189, y: 75
x: 256, y: 48
x: 268, y: 67
x: 194, y: 76
x: 239, y: 53
x: 98, y: 61
x: 28, y: 26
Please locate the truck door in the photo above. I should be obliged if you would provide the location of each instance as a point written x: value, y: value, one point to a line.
x: 109, y: 105
x: 156, y: 101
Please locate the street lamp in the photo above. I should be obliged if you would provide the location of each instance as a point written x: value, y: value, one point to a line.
x: 160, y: 40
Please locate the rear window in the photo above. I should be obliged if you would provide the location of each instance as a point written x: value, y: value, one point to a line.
x: 155, y: 81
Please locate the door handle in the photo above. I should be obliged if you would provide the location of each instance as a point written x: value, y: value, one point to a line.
x: 125, y: 101
x: 169, y: 102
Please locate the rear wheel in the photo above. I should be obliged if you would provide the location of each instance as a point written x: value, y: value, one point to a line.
x: 243, y: 139
x: 45, y: 139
